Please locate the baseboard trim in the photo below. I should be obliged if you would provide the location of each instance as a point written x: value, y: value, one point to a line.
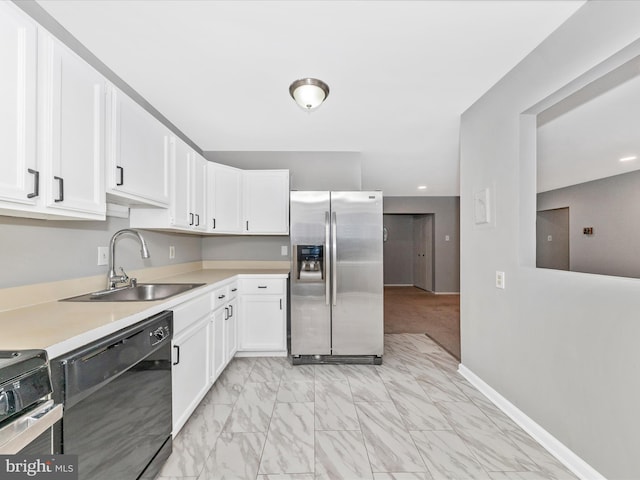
x: 446, y: 293
x: 398, y: 284
x: 556, y: 448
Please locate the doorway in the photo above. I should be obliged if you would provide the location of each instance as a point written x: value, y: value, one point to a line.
x: 552, y: 239
x: 409, y: 250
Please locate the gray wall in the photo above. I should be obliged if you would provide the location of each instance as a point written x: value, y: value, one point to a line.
x: 446, y: 222
x: 552, y: 239
x: 35, y: 251
x: 245, y: 248
x: 561, y: 346
x: 612, y: 207
x: 398, y: 250
x: 307, y: 170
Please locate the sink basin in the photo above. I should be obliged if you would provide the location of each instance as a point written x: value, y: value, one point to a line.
x: 143, y: 292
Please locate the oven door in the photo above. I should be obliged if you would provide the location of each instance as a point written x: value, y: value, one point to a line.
x: 30, y: 433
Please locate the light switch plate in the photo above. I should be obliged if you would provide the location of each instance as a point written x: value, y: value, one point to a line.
x: 172, y: 252
x: 284, y: 250
x: 103, y: 255
x: 500, y: 280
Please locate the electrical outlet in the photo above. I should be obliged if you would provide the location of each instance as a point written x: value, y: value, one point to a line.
x: 172, y: 252
x: 284, y: 250
x: 103, y: 255
x: 500, y: 280
x: 446, y: 238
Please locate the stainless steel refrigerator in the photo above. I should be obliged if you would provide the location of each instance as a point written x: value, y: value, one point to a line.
x: 336, y: 277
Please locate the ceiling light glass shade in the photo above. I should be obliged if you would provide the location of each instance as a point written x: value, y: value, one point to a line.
x: 309, y: 93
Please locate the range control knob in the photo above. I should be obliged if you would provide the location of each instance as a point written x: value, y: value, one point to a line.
x: 159, y: 334
x: 4, y: 403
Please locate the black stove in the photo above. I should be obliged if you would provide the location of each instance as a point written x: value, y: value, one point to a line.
x: 24, y: 381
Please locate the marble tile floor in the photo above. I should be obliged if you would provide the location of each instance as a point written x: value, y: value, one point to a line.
x: 414, y: 417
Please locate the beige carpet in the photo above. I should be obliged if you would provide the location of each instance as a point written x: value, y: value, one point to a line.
x: 411, y: 310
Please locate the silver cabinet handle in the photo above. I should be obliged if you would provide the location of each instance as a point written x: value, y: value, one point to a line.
x: 327, y: 235
x: 36, y: 183
x: 280, y: 304
x: 226, y: 313
x: 220, y: 297
x: 230, y: 311
x: 61, y: 191
x: 334, y: 257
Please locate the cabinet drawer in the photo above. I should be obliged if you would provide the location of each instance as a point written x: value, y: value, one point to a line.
x: 233, y: 290
x: 186, y: 314
x: 220, y: 297
x: 256, y: 286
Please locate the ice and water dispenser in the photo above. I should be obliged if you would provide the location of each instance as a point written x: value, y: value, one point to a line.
x: 310, y: 262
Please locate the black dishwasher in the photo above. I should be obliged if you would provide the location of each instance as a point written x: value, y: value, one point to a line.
x: 117, y: 402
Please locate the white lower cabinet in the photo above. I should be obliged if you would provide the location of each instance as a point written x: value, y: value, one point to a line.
x: 190, y: 371
x: 263, y: 319
x: 211, y: 329
x: 190, y: 375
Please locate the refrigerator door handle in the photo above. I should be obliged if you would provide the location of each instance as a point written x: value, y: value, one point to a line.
x: 334, y: 258
x: 327, y: 237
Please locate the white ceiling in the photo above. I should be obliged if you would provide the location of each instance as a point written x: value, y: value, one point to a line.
x: 587, y: 142
x: 400, y: 72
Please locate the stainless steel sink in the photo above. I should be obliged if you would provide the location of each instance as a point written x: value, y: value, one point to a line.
x: 142, y: 292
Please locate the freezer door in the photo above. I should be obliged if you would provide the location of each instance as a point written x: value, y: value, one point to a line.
x: 310, y: 271
x: 357, y: 282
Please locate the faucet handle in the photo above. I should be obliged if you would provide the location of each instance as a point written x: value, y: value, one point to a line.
x: 124, y: 277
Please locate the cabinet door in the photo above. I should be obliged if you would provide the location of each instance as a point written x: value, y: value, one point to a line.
x: 231, y: 330
x: 190, y: 372
x: 137, y: 152
x: 262, y: 323
x: 224, y: 198
x: 218, y: 344
x: 266, y: 201
x: 180, y: 156
x: 198, y: 184
x: 18, y: 105
x: 71, y: 114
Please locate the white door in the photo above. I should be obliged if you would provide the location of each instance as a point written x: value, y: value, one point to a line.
x: 231, y: 330
x: 72, y: 123
x: 18, y: 169
x: 218, y: 344
x: 423, y: 252
x: 263, y: 324
x: 190, y: 372
x: 198, y: 187
x: 266, y: 201
x: 180, y: 156
x: 137, y: 152
x: 224, y: 198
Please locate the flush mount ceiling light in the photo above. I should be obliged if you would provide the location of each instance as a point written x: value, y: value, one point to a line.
x: 309, y: 93
x: 628, y: 159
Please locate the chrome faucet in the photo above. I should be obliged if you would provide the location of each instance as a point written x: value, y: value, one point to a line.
x: 114, y: 279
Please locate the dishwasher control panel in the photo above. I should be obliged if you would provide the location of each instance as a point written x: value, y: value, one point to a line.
x: 159, y: 334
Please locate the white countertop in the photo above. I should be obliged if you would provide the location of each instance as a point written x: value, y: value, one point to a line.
x: 59, y: 327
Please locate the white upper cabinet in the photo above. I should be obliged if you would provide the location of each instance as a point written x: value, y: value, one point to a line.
x: 71, y: 105
x: 198, y: 192
x: 51, y: 125
x: 187, y: 207
x: 137, y: 153
x: 224, y: 199
x: 18, y: 177
x: 266, y: 201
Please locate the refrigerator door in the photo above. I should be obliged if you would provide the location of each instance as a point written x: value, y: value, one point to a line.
x: 310, y: 273
x: 357, y: 281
